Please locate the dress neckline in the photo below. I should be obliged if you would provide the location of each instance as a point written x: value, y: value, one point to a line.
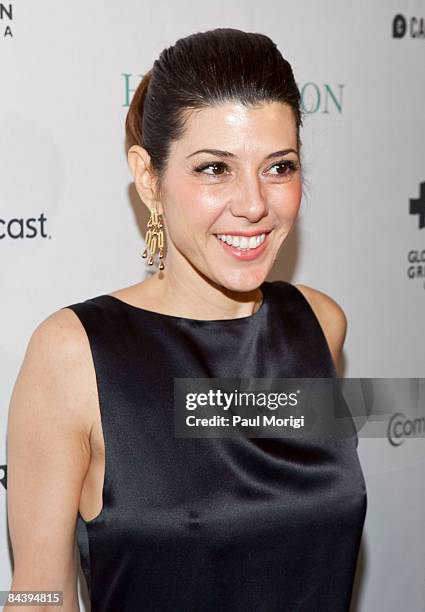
x: 248, y: 318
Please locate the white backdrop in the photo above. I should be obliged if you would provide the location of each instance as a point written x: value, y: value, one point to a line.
x: 67, y: 73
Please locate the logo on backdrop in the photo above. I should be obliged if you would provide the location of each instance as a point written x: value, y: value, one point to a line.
x: 323, y: 97
x: 21, y: 228
x: 416, y: 257
x: 417, y: 206
x: 413, y: 26
x: 6, y: 19
x: 400, y: 427
x: 3, y: 475
x: 129, y: 89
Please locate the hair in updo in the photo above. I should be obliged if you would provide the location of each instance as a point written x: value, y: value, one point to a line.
x: 206, y: 69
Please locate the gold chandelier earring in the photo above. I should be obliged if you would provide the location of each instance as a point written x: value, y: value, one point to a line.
x: 154, y: 238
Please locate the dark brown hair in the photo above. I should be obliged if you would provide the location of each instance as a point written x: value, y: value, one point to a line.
x: 206, y: 69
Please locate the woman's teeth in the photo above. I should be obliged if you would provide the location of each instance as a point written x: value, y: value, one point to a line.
x: 242, y: 242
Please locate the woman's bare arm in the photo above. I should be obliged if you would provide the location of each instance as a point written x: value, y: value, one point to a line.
x: 48, y: 454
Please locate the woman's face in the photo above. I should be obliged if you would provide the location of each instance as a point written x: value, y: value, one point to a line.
x: 250, y: 184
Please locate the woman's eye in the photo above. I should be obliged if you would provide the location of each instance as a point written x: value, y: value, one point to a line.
x: 211, y: 165
x: 289, y: 167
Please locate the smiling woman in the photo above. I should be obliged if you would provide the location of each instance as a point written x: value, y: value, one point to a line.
x: 256, y: 190
x: 239, y: 523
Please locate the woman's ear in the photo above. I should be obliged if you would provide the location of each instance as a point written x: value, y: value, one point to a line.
x: 139, y: 162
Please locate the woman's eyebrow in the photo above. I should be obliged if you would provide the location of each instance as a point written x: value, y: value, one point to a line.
x: 220, y: 153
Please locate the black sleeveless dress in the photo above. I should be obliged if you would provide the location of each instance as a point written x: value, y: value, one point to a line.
x: 215, y: 524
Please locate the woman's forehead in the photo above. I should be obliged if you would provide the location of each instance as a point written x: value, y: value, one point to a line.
x: 235, y: 127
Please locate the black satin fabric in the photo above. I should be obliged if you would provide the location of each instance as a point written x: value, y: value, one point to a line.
x: 215, y: 524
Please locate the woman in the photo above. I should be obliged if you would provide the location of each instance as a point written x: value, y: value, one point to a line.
x: 167, y: 523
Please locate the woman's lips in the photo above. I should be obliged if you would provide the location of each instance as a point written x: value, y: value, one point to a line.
x: 247, y: 255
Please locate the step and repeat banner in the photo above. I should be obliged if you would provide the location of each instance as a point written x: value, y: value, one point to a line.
x: 72, y: 226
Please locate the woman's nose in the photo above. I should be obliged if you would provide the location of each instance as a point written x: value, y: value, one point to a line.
x: 250, y: 200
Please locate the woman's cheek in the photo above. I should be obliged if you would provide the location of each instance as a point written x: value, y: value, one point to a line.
x: 292, y: 197
x: 294, y: 188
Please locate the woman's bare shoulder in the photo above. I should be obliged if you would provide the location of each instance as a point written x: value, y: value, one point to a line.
x: 60, y: 328
x: 331, y: 317
x: 324, y: 304
x: 58, y: 355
